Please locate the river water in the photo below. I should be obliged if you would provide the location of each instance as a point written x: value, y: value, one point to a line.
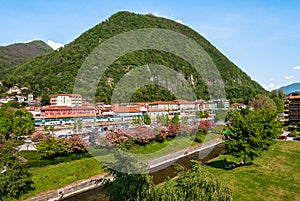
x: 158, y: 176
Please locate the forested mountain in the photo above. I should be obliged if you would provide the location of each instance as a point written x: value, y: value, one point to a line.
x: 19, y: 52
x: 56, y: 71
x: 291, y: 88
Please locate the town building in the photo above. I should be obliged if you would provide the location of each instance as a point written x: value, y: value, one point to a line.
x: 67, y: 112
x: 14, y: 89
x: 292, y: 108
x: 30, y: 97
x: 68, y: 100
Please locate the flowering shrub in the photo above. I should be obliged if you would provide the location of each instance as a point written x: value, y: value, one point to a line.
x: 184, y: 130
x: 173, y: 130
x: 204, y: 126
x: 161, y: 136
x: 142, y: 135
x: 38, y: 136
x: 116, y: 137
x: 54, y: 147
x: 202, y: 130
x: 77, y: 146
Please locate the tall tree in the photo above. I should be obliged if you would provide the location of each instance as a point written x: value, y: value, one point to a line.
x: 23, y: 123
x: 195, y: 184
x: 127, y: 183
x: 262, y: 101
x: 15, y: 123
x: 14, y: 176
x: 278, y: 96
x: 175, y: 119
x: 251, y: 133
x: 147, y: 119
x: 6, y: 124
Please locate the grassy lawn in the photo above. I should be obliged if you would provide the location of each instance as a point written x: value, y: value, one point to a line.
x: 156, y: 149
x: 56, y: 176
x: 274, y: 176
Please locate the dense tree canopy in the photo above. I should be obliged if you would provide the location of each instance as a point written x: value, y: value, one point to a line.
x: 147, y: 119
x: 262, y: 101
x: 50, y: 147
x: 251, y: 133
x: 56, y: 71
x: 278, y: 96
x: 15, y: 122
x: 14, y: 176
x: 194, y: 184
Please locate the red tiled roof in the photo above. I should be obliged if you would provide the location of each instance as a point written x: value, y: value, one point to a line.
x: 156, y: 110
x: 53, y: 107
x: 66, y: 95
x: 126, y: 110
x: 163, y: 102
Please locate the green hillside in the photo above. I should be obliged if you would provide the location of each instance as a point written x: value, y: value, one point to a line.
x: 18, y: 53
x: 56, y: 71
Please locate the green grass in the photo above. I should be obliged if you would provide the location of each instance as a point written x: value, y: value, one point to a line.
x: 156, y: 149
x: 57, y: 176
x: 274, y: 176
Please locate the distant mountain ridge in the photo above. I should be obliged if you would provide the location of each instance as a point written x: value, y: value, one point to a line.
x: 19, y: 52
x: 56, y: 71
x: 291, y: 88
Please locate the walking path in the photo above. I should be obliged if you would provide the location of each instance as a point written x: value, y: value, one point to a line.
x: 154, y: 163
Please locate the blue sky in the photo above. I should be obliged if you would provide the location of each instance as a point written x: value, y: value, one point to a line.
x: 261, y: 37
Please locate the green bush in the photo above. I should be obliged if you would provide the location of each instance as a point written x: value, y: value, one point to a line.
x: 199, y: 137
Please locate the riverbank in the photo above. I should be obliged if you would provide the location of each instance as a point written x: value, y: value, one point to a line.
x: 160, y: 162
x: 72, y: 189
x: 86, y: 184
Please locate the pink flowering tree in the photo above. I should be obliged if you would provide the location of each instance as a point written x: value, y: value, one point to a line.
x: 116, y: 137
x: 202, y: 130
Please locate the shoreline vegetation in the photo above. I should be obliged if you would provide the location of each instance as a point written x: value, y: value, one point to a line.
x: 52, y: 177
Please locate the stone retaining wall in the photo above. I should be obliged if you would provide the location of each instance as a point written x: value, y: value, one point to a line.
x: 71, y: 189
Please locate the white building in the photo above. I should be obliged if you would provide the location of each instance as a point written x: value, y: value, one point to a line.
x: 14, y: 89
x: 30, y: 98
x: 66, y: 100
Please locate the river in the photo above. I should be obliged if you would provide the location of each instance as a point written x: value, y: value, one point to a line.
x: 158, y: 176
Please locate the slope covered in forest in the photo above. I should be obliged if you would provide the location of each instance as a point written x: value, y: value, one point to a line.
x: 56, y: 71
x: 19, y: 52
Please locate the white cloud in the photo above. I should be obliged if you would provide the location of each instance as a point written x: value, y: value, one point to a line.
x: 27, y: 41
x: 54, y: 45
x: 288, y: 77
x: 296, y: 67
x: 270, y: 86
x: 179, y: 21
x: 158, y: 15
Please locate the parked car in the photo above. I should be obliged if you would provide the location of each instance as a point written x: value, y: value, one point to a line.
x: 297, y: 138
x: 282, y: 137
